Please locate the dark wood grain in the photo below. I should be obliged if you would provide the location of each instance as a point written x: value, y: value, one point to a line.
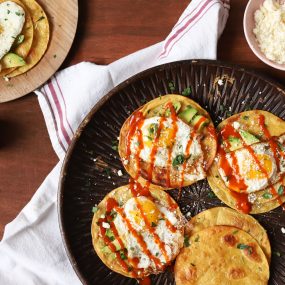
x: 107, y: 30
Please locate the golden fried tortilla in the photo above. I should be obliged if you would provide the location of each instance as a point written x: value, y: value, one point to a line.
x: 262, y: 200
x: 41, y: 37
x: 220, y: 255
x: 223, y: 216
x: 23, y: 48
x: 170, y: 175
x: 128, y: 223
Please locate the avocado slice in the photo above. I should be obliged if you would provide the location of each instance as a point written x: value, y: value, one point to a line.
x: 109, y: 234
x: 196, y: 120
x: 248, y: 138
x: 11, y: 60
x: 188, y: 114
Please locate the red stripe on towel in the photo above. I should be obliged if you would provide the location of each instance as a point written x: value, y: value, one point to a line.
x: 180, y: 30
x: 202, y: 14
x: 59, y: 88
x: 53, y: 118
x: 58, y: 107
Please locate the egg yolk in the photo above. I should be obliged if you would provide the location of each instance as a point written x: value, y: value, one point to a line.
x: 149, y: 209
x: 254, y: 172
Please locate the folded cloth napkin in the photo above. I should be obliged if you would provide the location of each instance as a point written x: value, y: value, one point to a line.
x: 31, y: 251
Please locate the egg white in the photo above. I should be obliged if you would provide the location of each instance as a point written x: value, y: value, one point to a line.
x: 245, y: 161
x: 12, y: 19
x: 182, y: 137
x: 171, y: 240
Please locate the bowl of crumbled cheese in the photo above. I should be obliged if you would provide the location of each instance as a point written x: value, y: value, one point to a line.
x: 264, y: 28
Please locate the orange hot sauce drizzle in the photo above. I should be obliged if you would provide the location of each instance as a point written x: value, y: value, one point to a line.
x: 135, y: 125
x: 154, y: 149
x: 242, y: 202
x: 151, y: 229
x: 187, y: 152
x: 111, y: 204
x: 232, y: 172
x: 171, y: 138
x: 272, y: 143
x: 139, y: 239
x: 274, y: 148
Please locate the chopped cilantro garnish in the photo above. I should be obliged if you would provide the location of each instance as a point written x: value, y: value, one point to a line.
x: 20, y: 39
x: 107, y: 171
x: 187, y: 91
x: 245, y: 117
x: 267, y: 195
x: 40, y: 18
x: 95, y: 209
x: 186, y: 241
x: 179, y: 159
x: 153, y: 129
x: 197, y: 239
x: 211, y: 194
x: 122, y: 254
x: 171, y: 86
x: 245, y: 246
x: 276, y: 253
x: 153, y: 224
x: 280, y: 190
x: 235, y: 232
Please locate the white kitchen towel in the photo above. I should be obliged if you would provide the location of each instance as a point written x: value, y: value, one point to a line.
x: 31, y: 251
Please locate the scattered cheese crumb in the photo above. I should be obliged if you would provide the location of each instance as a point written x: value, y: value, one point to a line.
x: 105, y: 225
x: 120, y: 173
x: 220, y: 82
x: 6, y: 78
x: 251, y: 198
x: 283, y: 230
x: 236, y: 125
x: 270, y: 30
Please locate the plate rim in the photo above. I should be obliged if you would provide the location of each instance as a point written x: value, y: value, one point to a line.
x: 101, y: 102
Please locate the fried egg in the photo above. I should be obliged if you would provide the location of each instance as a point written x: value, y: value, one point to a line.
x: 146, y: 215
x: 177, y: 142
x: 12, y: 19
x: 257, y: 171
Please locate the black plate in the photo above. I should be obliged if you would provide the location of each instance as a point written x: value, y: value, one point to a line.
x: 91, y: 164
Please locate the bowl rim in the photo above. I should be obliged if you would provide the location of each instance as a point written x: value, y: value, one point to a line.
x: 249, y: 40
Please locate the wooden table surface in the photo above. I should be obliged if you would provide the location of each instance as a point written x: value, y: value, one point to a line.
x: 107, y: 30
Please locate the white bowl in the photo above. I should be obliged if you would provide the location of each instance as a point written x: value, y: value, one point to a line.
x: 248, y: 26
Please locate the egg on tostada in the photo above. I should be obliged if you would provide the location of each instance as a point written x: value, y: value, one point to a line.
x: 24, y: 36
x: 168, y: 142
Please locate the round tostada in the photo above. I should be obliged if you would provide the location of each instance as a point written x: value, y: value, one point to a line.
x: 224, y: 216
x: 221, y: 255
x: 136, y: 231
x: 169, y: 142
x: 24, y: 38
x: 248, y: 173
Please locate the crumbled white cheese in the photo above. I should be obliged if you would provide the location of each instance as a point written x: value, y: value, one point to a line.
x: 6, y: 78
x: 270, y: 30
x: 251, y: 198
x: 236, y: 125
x: 283, y: 230
x: 105, y: 225
x: 220, y: 82
x: 120, y: 173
